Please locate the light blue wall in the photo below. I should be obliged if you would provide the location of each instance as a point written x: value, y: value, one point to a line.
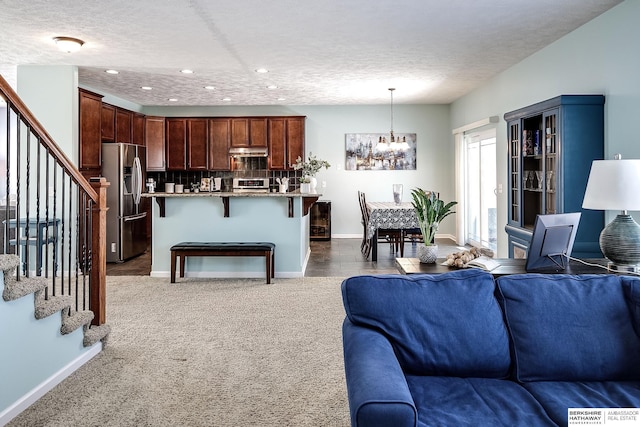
x: 326, y: 127
x: 51, y: 93
x: 601, y: 57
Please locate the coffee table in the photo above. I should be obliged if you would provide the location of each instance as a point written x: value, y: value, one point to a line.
x: 507, y: 266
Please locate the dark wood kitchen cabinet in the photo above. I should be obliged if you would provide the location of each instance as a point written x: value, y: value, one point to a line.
x: 123, y: 125
x: 286, y: 141
x: 90, y: 108
x: 176, y: 136
x: 219, y: 141
x: 258, y: 132
x: 155, y: 142
x: 197, y: 144
x: 137, y: 129
x: 108, y: 123
x: 295, y: 139
x: 249, y: 132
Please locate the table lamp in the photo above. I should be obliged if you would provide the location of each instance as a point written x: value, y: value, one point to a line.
x: 613, y: 185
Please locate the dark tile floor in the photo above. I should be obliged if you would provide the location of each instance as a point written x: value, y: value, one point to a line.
x: 333, y: 258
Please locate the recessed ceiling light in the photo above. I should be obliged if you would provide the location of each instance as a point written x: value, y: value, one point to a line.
x: 282, y: 99
x: 227, y: 99
x: 146, y: 87
x: 272, y: 87
x: 262, y: 70
x: 209, y: 87
x: 186, y: 71
x: 172, y: 99
x: 68, y: 44
x: 111, y: 71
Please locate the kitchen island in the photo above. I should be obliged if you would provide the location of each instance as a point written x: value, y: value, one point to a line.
x: 280, y: 218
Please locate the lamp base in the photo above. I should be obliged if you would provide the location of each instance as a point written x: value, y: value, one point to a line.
x: 620, y: 241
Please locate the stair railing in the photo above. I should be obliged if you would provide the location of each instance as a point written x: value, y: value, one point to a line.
x: 51, y: 216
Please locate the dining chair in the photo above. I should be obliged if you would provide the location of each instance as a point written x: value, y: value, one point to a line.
x: 392, y: 235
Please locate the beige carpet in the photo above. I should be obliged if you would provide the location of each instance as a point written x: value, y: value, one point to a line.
x: 209, y: 353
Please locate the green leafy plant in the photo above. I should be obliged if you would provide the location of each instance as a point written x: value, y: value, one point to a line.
x: 430, y: 211
x: 312, y: 166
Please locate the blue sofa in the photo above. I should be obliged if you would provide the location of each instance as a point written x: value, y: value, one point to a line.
x: 463, y: 349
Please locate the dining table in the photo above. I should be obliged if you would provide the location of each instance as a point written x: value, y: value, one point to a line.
x: 388, y: 215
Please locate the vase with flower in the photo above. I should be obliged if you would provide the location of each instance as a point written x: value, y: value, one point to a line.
x: 309, y: 169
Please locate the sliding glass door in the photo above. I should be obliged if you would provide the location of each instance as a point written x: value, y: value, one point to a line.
x: 480, y: 189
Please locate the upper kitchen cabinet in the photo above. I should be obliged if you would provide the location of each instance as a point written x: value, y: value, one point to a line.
x: 137, y: 129
x: 249, y: 132
x: 286, y: 141
x: 551, y: 147
x: 154, y: 141
x: 295, y: 139
x: 90, y: 108
x: 197, y: 146
x: 176, y: 135
x: 219, y: 141
x: 108, y: 121
x: 124, y: 119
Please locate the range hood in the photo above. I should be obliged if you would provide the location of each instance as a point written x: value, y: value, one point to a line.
x: 248, y: 152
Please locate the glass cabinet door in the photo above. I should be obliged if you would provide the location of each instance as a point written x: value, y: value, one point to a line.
x: 551, y: 161
x: 532, y: 170
x: 514, y: 172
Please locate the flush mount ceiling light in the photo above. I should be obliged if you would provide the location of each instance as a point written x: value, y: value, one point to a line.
x: 186, y: 71
x: 262, y: 70
x: 146, y: 87
x: 210, y: 87
x: 112, y: 71
x: 227, y: 99
x: 173, y: 99
x: 272, y: 87
x: 68, y: 44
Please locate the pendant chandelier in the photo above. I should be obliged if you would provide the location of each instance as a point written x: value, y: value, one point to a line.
x: 383, y: 145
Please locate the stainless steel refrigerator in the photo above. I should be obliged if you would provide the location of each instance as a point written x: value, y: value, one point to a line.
x: 124, y: 167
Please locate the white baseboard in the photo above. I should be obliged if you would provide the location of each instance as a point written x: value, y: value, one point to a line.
x: 228, y: 274
x: 40, y: 390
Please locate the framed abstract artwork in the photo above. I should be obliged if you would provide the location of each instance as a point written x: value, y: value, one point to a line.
x: 375, y: 151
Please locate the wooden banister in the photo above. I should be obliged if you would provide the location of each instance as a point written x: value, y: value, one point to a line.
x: 45, y: 139
x: 98, y: 291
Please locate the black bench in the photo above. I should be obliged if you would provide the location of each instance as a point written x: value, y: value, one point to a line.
x: 185, y: 249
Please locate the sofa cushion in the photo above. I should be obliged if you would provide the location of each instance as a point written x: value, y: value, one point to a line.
x: 570, y: 328
x: 557, y: 396
x: 447, y: 324
x: 451, y: 401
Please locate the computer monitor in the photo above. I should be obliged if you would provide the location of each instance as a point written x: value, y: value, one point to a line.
x: 552, y: 241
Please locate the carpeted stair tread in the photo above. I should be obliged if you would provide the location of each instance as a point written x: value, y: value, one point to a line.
x: 54, y: 304
x: 9, y: 262
x: 93, y: 334
x: 74, y: 321
x: 26, y: 285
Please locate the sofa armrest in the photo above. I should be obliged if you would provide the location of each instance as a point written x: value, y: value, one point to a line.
x: 376, y: 386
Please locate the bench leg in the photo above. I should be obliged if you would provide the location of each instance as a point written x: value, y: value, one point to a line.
x: 273, y: 264
x: 267, y: 257
x: 183, y: 259
x: 173, y: 266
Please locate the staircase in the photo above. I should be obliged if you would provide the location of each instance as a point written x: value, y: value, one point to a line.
x: 53, y: 251
x: 70, y: 320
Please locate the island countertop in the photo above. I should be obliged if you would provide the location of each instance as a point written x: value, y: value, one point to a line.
x: 308, y: 199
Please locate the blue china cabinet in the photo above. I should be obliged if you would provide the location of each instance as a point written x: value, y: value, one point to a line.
x: 551, y: 146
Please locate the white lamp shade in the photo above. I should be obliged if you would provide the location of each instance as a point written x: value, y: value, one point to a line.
x: 613, y: 185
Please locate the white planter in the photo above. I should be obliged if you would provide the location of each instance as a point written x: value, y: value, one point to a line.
x: 305, y: 187
x: 427, y: 254
x: 314, y: 184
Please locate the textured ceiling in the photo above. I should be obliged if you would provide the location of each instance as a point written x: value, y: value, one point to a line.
x: 318, y: 52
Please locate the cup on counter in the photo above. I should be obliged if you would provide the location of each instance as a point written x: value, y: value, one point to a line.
x: 179, y: 188
x: 169, y: 187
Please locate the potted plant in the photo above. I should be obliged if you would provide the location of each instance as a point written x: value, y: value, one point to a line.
x: 309, y: 170
x: 430, y: 211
